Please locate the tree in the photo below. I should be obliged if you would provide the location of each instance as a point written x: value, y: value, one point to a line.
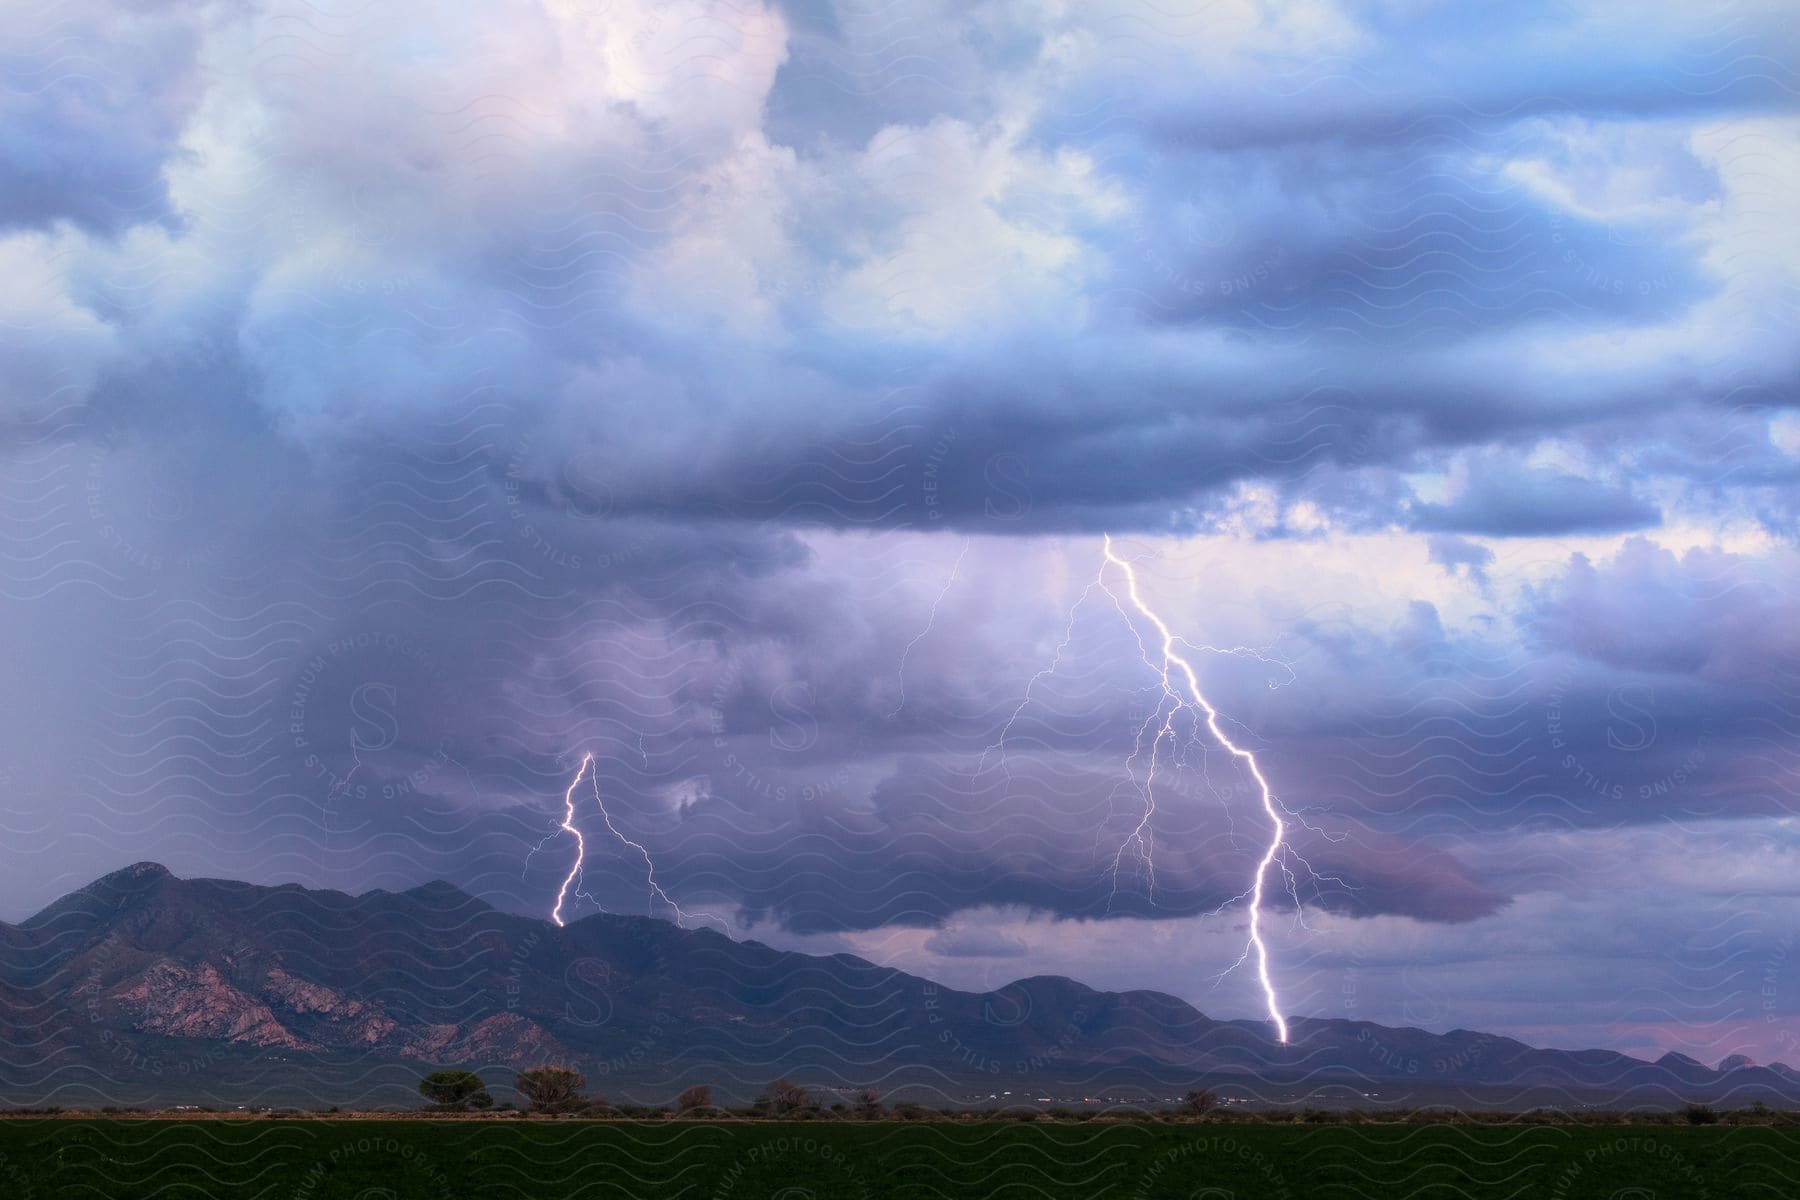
x: 455, y: 1091
x: 868, y: 1106
x: 552, y: 1087
x: 784, y: 1097
x: 698, y: 1096
x: 1200, y: 1102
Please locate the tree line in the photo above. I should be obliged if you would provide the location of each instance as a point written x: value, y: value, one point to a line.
x: 558, y: 1090
x: 554, y: 1089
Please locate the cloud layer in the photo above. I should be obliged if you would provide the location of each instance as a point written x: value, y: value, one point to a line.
x: 400, y: 403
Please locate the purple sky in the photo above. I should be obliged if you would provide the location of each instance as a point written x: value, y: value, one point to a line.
x: 399, y: 403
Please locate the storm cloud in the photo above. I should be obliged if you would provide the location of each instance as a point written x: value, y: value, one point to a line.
x: 400, y: 404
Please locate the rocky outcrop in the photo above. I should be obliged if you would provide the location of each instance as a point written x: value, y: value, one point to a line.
x: 197, y: 1002
x: 302, y: 996
x: 502, y: 1038
x: 173, y: 1000
x: 357, y: 1024
x: 347, y: 1020
x: 506, y: 1038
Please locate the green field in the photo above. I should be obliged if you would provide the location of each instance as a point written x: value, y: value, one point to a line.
x: 317, y: 1159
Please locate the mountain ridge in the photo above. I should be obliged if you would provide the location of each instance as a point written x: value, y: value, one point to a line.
x: 141, y: 985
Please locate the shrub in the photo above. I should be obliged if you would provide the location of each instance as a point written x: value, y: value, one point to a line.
x: 552, y: 1088
x: 691, y: 1099
x: 454, y: 1091
x: 868, y: 1105
x: 1699, y: 1114
x: 784, y: 1098
x: 1200, y: 1102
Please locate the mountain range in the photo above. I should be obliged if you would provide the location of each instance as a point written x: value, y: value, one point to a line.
x: 143, y: 988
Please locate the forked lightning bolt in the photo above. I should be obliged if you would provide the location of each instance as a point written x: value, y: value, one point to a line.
x: 568, y: 826
x: 1172, y: 661
x: 1140, y: 835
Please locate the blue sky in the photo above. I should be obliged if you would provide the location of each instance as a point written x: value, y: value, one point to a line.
x: 400, y: 403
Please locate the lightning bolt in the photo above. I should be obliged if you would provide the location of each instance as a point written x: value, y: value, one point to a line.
x: 568, y: 825
x: 343, y: 785
x: 929, y: 622
x: 1025, y: 701
x: 1171, y: 662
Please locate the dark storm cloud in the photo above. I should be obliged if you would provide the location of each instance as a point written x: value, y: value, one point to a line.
x: 1389, y: 244
x: 1723, y: 618
x: 975, y: 943
x: 1525, y: 502
x: 465, y: 407
x: 934, y: 842
x: 1657, y: 687
x: 391, y: 676
x: 1413, y: 237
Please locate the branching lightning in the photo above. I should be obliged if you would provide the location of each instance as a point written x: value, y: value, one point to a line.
x: 1172, y: 670
x: 1171, y: 661
x: 1180, y: 690
x: 568, y: 826
x: 1025, y: 700
x: 930, y: 621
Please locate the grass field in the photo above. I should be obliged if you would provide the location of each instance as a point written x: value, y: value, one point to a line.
x: 416, y: 1159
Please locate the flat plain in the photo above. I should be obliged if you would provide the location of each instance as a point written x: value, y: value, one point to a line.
x: 314, y: 1158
